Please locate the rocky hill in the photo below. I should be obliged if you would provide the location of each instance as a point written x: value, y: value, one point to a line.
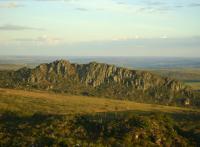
x: 103, y: 80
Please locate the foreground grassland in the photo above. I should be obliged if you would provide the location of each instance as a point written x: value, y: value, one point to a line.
x: 37, y: 118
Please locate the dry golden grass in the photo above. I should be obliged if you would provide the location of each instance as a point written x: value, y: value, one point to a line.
x: 28, y: 102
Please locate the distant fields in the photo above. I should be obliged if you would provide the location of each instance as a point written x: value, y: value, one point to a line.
x: 11, y: 66
x: 183, y: 74
x: 190, y: 76
x: 194, y: 85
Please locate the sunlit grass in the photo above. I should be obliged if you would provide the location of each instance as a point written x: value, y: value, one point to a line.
x: 29, y: 102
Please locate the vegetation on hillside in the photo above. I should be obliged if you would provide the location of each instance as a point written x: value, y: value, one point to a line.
x: 103, y: 129
x: 45, y: 119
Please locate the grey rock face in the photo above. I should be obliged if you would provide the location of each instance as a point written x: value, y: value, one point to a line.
x: 101, y: 79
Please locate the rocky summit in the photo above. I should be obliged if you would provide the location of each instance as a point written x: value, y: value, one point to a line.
x: 102, y: 80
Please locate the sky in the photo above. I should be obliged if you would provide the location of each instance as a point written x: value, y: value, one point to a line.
x: 100, y: 27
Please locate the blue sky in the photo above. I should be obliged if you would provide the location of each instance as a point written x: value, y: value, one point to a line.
x: 100, y: 27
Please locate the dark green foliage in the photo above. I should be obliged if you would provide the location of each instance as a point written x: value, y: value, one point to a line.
x: 102, y: 129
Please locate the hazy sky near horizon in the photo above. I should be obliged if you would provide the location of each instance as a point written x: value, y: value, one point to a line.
x: 100, y: 27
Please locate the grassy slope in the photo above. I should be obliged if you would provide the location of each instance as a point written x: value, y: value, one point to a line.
x: 43, y: 118
x: 38, y: 101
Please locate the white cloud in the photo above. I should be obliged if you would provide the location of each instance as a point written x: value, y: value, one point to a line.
x: 124, y: 38
x: 10, y: 5
x: 99, y: 5
x: 9, y: 27
x: 194, y: 5
x: 164, y: 37
x: 45, y: 39
x: 153, y: 6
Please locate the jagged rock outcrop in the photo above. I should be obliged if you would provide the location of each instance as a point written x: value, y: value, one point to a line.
x: 98, y: 79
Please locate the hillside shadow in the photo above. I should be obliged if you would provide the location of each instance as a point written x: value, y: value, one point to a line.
x: 37, y: 118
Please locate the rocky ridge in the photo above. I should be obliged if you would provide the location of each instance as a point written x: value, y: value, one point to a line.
x: 98, y: 79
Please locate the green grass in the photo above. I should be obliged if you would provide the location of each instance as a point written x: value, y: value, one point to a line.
x: 38, y: 101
